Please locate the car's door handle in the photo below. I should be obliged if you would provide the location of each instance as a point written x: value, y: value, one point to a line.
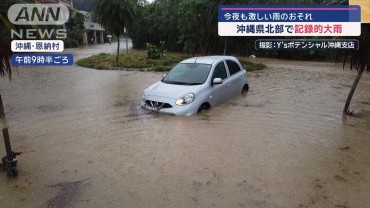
x: 228, y: 84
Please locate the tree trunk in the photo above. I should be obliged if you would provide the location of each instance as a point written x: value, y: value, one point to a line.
x: 353, y: 89
x: 117, y: 50
x: 2, y: 112
x: 126, y: 44
x: 225, y: 46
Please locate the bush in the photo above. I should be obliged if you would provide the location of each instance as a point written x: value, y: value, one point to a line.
x: 153, y: 51
x: 161, y: 68
x: 76, y: 31
x: 130, y: 61
x: 255, y: 67
x: 250, y: 66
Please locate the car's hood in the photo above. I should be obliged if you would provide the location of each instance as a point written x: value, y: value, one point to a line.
x: 170, y: 90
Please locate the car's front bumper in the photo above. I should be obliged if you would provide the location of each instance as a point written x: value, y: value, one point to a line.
x: 154, y: 103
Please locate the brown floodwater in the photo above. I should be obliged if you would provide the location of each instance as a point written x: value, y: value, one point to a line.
x: 87, y: 143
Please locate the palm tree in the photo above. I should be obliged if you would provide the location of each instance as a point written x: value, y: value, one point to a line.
x: 6, y: 26
x: 360, y: 60
x: 5, y: 50
x: 115, y: 15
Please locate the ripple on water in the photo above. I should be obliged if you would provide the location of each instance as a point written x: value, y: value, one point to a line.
x: 279, y: 138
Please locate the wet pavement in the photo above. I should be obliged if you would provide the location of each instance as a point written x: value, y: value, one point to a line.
x: 87, y: 143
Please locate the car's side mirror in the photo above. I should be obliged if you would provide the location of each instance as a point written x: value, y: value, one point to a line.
x: 217, y: 81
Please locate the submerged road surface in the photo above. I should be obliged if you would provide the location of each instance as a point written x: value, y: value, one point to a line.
x: 87, y: 143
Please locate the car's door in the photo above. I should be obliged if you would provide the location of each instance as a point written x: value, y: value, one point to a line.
x: 220, y: 92
x: 236, y: 77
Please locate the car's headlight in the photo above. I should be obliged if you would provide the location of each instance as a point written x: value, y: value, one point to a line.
x: 145, y: 94
x: 186, y: 99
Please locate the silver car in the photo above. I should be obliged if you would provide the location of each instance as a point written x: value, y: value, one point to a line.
x: 196, y: 84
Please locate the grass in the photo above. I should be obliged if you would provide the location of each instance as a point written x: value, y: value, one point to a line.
x: 250, y: 66
x: 130, y: 62
x: 137, y: 61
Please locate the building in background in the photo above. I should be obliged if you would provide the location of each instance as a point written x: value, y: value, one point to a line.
x: 94, y: 32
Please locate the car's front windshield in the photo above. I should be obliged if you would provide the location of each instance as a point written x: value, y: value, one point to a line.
x: 188, y: 74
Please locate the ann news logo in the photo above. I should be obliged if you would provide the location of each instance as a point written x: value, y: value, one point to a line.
x: 38, y: 14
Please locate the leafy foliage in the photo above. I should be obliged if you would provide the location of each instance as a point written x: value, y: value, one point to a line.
x: 5, y: 27
x: 130, y: 61
x: 251, y: 66
x: 76, y: 30
x: 191, y: 26
x: 139, y: 61
x: 115, y: 15
x: 5, y: 33
x: 153, y: 51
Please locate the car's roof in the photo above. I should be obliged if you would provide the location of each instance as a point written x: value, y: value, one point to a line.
x: 207, y: 59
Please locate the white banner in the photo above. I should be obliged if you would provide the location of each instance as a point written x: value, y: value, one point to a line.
x: 37, y: 46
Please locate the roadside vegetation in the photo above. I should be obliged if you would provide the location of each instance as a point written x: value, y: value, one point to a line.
x: 251, y: 66
x: 130, y: 62
x: 191, y: 26
x: 76, y: 30
x: 115, y: 16
x: 140, y: 62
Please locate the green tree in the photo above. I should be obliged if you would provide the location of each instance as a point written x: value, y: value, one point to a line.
x: 5, y: 50
x: 76, y: 29
x: 5, y: 39
x: 199, y: 14
x: 115, y: 15
x: 191, y: 25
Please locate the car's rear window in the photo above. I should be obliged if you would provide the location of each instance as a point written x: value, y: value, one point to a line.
x: 233, y: 67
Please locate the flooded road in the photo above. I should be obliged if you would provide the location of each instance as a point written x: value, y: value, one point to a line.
x: 87, y: 143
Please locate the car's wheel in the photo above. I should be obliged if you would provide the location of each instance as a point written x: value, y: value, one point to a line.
x: 204, y: 106
x: 245, y: 89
